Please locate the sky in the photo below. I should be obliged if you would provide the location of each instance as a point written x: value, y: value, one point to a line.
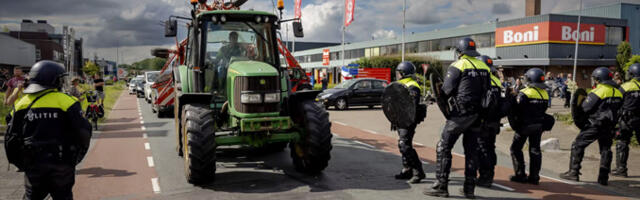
x: 133, y: 27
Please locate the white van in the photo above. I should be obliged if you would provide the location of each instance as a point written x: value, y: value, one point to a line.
x: 149, y: 79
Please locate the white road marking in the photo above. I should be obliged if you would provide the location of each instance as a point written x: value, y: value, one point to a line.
x: 144, y: 135
x: 503, y: 187
x: 156, y: 186
x: 143, y: 128
x: 370, y: 131
x: 424, y: 162
x: 150, y: 161
x: 562, y: 181
x: 365, y: 144
x: 419, y: 144
x: 140, y: 117
x: 337, y: 122
x: 141, y: 122
x: 147, y: 146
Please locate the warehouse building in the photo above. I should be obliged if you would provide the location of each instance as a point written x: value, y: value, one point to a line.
x: 544, y: 41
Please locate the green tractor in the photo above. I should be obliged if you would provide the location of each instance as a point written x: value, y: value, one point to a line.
x: 231, y: 90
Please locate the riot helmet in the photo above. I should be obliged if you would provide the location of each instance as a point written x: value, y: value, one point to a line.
x: 535, y: 78
x: 44, y: 75
x: 634, y: 70
x: 467, y: 46
x: 487, y: 60
x: 406, y: 69
x: 604, y: 76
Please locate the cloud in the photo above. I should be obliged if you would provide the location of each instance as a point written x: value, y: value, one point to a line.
x: 384, y: 34
x: 501, y: 8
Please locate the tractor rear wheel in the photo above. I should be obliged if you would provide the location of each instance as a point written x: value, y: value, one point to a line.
x: 200, y: 144
x: 312, y: 153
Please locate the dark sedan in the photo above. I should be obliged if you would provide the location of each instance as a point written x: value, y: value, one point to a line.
x: 354, y: 92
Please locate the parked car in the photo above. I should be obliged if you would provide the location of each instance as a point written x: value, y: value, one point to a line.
x: 354, y: 92
x: 139, y: 86
x: 131, y: 85
x: 149, y: 79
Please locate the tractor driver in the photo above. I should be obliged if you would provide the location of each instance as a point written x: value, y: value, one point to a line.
x: 232, y: 49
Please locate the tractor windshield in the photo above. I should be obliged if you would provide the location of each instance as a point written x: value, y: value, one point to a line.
x: 236, y: 41
x: 233, y: 41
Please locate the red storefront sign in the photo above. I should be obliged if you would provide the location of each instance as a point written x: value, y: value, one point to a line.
x: 325, y: 57
x: 550, y: 32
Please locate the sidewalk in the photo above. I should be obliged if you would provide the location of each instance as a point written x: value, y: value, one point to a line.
x: 553, y: 163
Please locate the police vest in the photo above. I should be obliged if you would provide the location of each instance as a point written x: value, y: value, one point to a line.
x: 602, y: 105
x: 532, y: 104
x: 409, y: 82
x: 45, y: 123
x: 631, y: 96
x: 474, y: 81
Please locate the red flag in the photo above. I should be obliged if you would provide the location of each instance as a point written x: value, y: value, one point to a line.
x: 349, y: 7
x: 298, y: 12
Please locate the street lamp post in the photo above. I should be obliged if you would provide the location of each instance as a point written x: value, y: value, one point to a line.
x: 575, y: 59
x: 404, y: 8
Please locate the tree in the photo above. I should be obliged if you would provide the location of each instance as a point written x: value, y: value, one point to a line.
x: 5, y: 29
x: 624, y: 54
x: 90, y: 68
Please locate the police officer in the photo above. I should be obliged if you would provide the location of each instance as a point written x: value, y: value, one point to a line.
x: 412, y: 166
x: 491, y: 127
x: 466, y: 84
x: 528, y: 120
x: 629, y: 121
x: 601, y: 106
x: 55, y: 135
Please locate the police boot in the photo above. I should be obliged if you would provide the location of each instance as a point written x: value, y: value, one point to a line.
x: 622, y: 155
x: 534, y: 172
x: 619, y: 172
x: 520, y: 176
x: 438, y: 189
x: 485, y: 179
x: 573, y: 175
x: 468, y: 188
x: 603, y: 178
x: 418, y: 175
x: 406, y: 173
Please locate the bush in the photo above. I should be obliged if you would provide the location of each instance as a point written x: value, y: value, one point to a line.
x: 393, y: 61
x: 108, y: 82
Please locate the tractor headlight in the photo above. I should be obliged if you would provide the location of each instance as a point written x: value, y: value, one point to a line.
x: 250, y: 98
x: 272, y: 97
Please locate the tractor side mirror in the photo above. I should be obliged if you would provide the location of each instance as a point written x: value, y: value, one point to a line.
x: 170, y: 28
x: 297, y: 29
x: 160, y: 52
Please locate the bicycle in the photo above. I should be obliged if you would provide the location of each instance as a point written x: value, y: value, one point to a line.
x: 94, y: 111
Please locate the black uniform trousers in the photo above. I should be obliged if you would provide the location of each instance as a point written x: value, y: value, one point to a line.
x: 487, y: 150
x: 604, y: 135
x: 49, y: 176
x: 470, y: 126
x: 534, y: 134
x: 410, y: 157
x: 622, y: 146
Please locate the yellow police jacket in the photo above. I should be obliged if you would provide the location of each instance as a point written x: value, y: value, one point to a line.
x: 54, y: 119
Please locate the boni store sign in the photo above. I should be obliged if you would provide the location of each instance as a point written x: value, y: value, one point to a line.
x: 550, y: 32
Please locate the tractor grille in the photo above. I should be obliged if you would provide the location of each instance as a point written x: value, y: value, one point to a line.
x: 252, y: 84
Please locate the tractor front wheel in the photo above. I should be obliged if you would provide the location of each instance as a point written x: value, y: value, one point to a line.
x: 200, y: 144
x: 312, y: 153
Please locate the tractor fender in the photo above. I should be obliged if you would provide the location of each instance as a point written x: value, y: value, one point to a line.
x: 295, y: 99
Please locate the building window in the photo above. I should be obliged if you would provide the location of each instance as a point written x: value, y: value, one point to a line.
x: 38, y: 55
x: 411, y: 47
x: 615, y: 35
x: 424, y: 46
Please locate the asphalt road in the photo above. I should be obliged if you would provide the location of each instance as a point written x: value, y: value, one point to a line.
x: 133, y: 156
